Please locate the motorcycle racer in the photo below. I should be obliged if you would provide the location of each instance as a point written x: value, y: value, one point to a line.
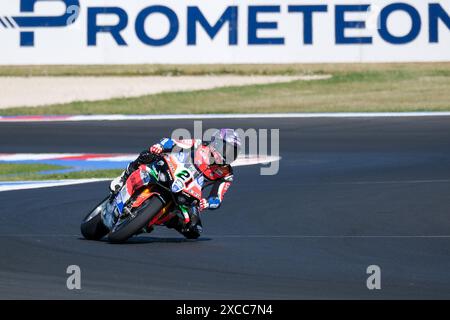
x: 212, y: 159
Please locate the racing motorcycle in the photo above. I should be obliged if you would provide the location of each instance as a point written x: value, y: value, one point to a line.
x: 156, y: 194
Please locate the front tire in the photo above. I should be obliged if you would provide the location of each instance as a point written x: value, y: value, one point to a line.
x: 188, y: 234
x: 123, y: 230
x: 191, y: 235
x: 92, y: 227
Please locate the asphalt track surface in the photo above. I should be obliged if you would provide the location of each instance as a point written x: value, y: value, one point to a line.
x: 350, y: 193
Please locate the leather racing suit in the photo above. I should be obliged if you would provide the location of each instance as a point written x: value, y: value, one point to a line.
x: 217, y: 176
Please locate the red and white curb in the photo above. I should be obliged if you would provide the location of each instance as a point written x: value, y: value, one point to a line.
x: 23, y: 185
x: 14, y: 157
x: 11, y: 157
x: 122, y: 117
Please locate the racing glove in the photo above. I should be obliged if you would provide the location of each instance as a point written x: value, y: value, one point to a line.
x: 203, y: 205
x: 211, y: 203
x: 156, y: 149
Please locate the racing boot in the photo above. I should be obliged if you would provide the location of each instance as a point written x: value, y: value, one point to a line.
x: 191, y: 230
x: 194, y: 228
x: 118, y: 182
x: 144, y: 157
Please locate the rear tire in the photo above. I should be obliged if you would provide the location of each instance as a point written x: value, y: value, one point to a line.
x: 92, y: 227
x: 124, y: 230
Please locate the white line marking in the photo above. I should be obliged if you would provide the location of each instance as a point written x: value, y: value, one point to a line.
x: 288, y: 184
x: 329, y: 236
x: 122, y: 158
x: 245, y: 160
x: 26, y: 185
x: 120, y: 117
x: 260, y: 236
x: 395, y: 182
x: 36, y: 156
x: 385, y: 182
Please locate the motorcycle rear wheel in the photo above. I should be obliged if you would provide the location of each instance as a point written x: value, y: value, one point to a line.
x: 92, y: 227
x: 128, y: 227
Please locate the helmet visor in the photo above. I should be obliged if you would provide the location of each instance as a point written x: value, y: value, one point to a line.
x: 228, y: 152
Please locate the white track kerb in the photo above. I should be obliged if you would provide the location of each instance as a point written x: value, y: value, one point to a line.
x: 247, y: 160
x: 122, y: 117
x: 24, y: 185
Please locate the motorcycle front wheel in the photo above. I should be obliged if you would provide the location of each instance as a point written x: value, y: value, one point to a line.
x: 127, y: 227
x: 92, y: 227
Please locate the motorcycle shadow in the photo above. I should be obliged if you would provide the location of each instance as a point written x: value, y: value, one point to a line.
x: 146, y: 240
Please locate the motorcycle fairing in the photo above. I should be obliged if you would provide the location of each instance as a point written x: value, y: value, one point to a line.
x: 135, y: 181
x: 185, y: 174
